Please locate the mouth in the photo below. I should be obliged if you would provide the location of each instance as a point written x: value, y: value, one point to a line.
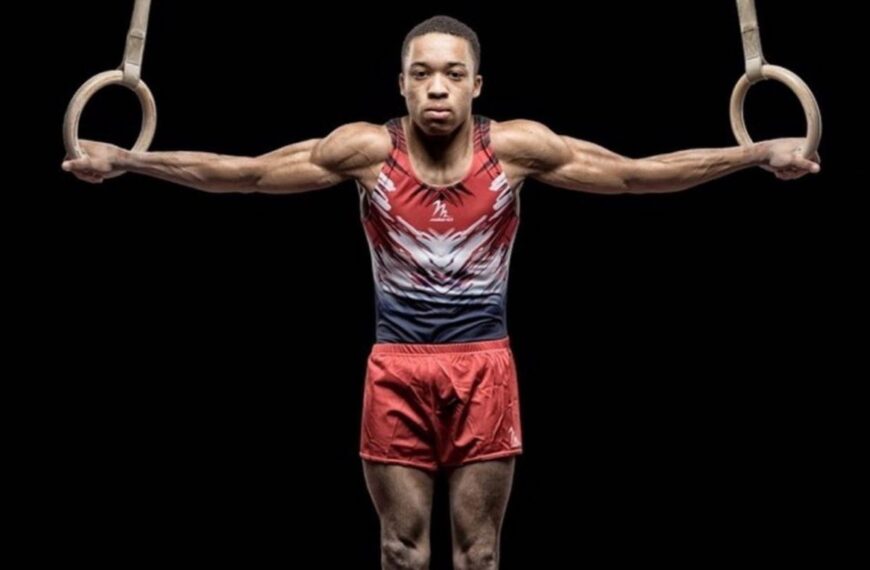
x: 436, y: 113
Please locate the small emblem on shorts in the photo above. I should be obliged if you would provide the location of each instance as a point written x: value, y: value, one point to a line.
x: 515, y: 441
x: 441, y: 214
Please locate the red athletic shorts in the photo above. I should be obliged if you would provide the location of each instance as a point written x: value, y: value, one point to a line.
x: 440, y: 405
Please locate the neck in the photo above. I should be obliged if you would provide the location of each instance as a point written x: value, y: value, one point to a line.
x: 440, y: 151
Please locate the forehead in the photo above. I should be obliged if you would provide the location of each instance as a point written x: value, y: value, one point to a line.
x: 435, y: 48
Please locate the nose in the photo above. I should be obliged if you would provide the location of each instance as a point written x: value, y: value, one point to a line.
x: 437, y: 88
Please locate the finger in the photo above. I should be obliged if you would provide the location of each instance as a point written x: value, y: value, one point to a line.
x: 806, y: 165
x: 76, y: 164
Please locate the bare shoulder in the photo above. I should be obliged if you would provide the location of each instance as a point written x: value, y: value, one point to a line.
x: 527, y: 143
x: 352, y: 147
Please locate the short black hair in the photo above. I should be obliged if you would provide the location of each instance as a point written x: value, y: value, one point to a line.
x: 444, y: 25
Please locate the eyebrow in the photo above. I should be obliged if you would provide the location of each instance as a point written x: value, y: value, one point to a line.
x: 449, y: 64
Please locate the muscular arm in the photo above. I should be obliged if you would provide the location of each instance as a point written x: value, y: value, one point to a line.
x: 288, y: 169
x: 308, y: 165
x: 574, y: 164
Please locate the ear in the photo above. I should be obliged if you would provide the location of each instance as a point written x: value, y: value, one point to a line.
x: 478, y: 85
x: 402, y: 84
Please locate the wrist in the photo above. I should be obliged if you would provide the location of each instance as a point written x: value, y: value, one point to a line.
x: 759, y: 153
x: 122, y: 159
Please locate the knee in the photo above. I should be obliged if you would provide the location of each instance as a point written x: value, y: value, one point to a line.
x: 397, y: 554
x: 478, y: 556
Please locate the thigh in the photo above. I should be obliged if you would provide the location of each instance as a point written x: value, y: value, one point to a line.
x: 403, y: 499
x: 479, y: 494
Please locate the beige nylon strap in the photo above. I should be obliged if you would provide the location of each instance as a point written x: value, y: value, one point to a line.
x: 751, y: 40
x: 135, y: 49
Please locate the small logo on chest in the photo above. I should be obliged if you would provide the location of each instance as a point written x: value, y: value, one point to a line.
x: 441, y: 214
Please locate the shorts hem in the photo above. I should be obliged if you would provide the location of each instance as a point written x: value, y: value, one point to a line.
x: 486, y: 457
x: 396, y: 461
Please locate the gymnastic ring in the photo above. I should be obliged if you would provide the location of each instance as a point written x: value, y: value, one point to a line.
x: 84, y: 94
x: 798, y: 87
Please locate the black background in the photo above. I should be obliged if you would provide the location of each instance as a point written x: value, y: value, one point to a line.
x: 669, y: 346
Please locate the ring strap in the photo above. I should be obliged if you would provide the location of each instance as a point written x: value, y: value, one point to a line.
x: 135, y: 48
x: 751, y: 40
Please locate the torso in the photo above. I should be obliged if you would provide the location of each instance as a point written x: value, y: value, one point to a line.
x: 440, y: 252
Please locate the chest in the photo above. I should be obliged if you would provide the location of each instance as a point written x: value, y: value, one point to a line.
x: 458, y: 207
x: 513, y: 175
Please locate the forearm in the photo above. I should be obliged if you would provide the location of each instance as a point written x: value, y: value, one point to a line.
x: 289, y: 169
x: 685, y: 169
x: 201, y: 170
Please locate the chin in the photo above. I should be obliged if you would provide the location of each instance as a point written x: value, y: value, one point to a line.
x: 435, y: 128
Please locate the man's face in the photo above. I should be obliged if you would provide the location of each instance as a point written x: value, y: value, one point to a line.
x: 438, y: 82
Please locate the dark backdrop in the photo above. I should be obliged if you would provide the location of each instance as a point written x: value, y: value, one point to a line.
x: 215, y: 344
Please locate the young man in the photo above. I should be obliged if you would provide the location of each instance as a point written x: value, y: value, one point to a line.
x: 439, y: 192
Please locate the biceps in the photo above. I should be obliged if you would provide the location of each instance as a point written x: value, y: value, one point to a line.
x: 591, y: 168
x: 293, y: 170
x: 587, y: 178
